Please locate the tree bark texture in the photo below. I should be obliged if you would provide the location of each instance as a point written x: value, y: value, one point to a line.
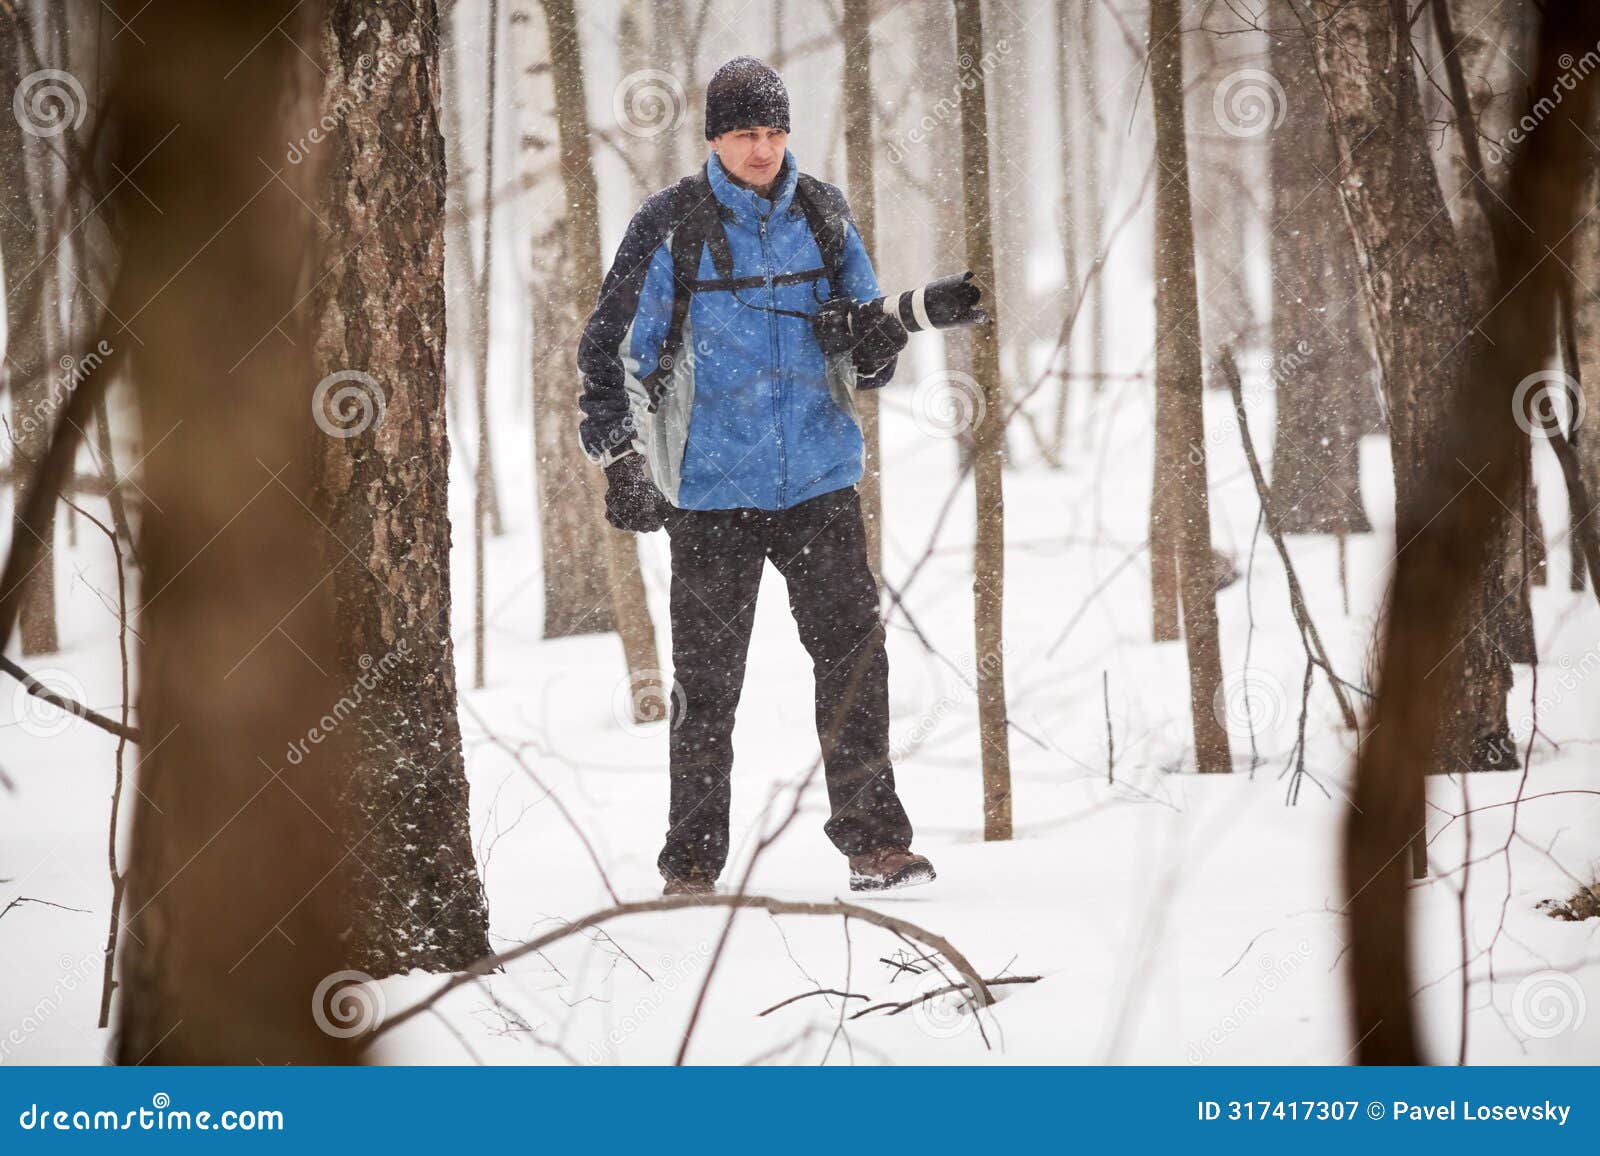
x: 383, y: 461
x: 1321, y: 367
x: 1419, y: 311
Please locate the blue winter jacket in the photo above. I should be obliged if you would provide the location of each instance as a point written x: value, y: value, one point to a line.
x: 755, y: 414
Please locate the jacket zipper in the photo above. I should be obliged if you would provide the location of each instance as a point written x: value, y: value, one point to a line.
x: 777, y: 375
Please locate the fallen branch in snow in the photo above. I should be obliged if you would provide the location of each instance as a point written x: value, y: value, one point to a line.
x: 806, y: 994
x: 901, y: 965
x: 897, y: 1008
x: 39, y: 690
x: 981, y: 995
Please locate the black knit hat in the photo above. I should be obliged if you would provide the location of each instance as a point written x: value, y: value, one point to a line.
x: 745, y: 93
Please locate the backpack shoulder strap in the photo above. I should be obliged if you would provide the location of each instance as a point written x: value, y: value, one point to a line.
x: 828, y: 214
x: 694, y: 222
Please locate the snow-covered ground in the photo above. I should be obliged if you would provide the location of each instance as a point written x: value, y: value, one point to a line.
x: 1172, y: 918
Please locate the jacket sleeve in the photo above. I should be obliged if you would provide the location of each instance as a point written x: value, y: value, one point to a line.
x: 861, y: 284
x: 627, y: 326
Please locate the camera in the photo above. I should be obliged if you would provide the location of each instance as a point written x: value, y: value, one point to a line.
x: 841, y: 324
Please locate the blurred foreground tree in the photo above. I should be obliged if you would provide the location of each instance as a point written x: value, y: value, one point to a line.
x: 236, y: 868
x: 1450, y: 528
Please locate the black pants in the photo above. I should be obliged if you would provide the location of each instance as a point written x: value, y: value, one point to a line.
x: 819, y: 546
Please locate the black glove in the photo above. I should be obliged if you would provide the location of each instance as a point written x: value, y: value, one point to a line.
x: 872, y: 337
x: 633, y: 502
x: 882, y: 339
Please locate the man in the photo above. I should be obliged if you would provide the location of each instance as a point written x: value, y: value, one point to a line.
x: 716, y: 414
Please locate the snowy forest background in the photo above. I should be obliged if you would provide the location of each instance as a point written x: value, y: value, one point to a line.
x: 324, y: 679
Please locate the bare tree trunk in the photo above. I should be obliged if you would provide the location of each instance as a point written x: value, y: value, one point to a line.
x: 1419, y: 310
x: 1166, y: 511
x: 1094, y: 210
x: 1583, y: 344
x: 1480, y: 223
x: 27, y: 247
x: 236, y: 867
x: 1006, y: 73
x: 937, y: 80
x: 988, y: 422
x: 384, y: 469
x: 483, y: 479
x: 1452, y: 527
x: 677, y: 43
x: 858, y: 121
x: 629, y: 610
x: 1321, y: 367
x: 1226, y: 171
x: 1166, y: 507
x: 464, y: 288
x: 1179, y: 376
x: 568, y: 496
x: 1072, y: 129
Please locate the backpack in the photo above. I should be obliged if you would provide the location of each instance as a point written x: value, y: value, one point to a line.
x: 695, y: 219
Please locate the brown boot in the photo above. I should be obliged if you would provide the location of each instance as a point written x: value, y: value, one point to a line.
x: 889, y: 867
x: 694, y: 883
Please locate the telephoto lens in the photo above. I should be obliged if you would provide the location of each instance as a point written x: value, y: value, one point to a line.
x: 942, y: 304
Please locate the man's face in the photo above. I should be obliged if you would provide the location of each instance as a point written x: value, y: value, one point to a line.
x: 752, y: 156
